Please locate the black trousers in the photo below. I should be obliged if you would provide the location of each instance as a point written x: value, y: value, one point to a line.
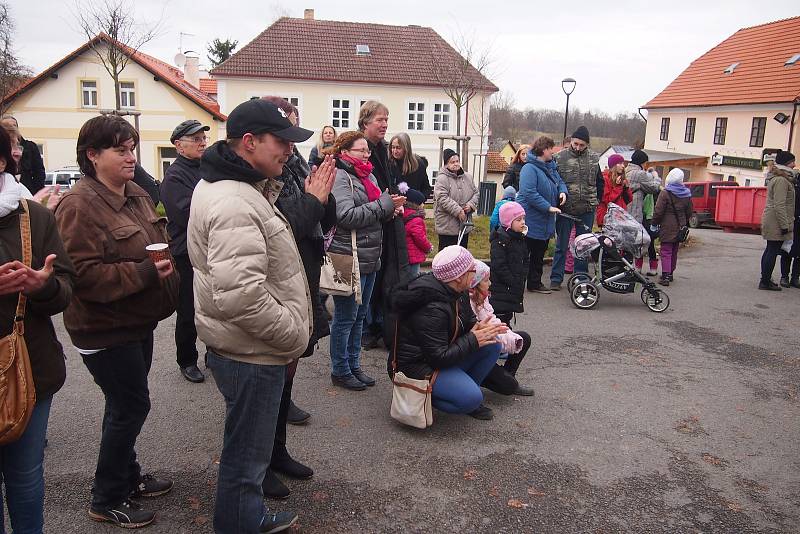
x: 790, y: 267
x: 185, y: 330
x: 536, y: 250
x: 502, y: 379
x: 121, y: 372
x: 768, y: 258
x: 447, y: 240
x: 279, y: 451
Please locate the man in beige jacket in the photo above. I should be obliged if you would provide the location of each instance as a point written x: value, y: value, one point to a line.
x: 252, y: 304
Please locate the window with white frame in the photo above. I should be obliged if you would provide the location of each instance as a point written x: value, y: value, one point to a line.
x: 293, y: 100
x: 89, y: 93
x: 127, y: 95
x: 441, y: 117
x: 340, y: 113
x: 416, y: 116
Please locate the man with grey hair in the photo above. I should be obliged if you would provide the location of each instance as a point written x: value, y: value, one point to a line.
x: 189, y: 138
x: 373, y: 121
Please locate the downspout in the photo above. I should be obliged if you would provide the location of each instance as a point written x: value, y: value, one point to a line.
x: 791, y: 126
x: 642, y: 116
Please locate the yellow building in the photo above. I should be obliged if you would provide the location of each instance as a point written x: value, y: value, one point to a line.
x: 329, y: 68
x: 732, y: 108
x: 52, y: 107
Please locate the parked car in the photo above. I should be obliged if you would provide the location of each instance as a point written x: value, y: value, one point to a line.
x: 65, y: 177
x: 704, y: 201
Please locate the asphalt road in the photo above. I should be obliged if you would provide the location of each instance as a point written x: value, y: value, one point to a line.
x: 686, y: 421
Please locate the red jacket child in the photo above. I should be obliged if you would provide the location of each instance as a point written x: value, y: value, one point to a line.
x: 616, y: 188
x: 416, y: 234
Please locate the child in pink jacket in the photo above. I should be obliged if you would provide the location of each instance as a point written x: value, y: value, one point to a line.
x: 501, y: 379
x: 416, y: 234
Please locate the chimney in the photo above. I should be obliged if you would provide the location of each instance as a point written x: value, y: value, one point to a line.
x: 308, y: 14
x: 191, y: 70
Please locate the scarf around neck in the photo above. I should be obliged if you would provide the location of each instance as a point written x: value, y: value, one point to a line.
x: 363, y: 170
x: 11, y: 192
x: 679, y: 190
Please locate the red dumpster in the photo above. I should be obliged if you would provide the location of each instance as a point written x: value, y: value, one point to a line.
x: 740, y: 208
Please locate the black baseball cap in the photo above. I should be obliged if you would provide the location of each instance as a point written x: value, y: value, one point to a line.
x: 187, y: 128
x: 258, y: 116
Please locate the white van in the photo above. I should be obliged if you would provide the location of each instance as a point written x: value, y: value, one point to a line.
x: 65, y: 177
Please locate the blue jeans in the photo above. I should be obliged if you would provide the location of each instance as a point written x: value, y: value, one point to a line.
x: 252, y: 398
x: 413, y: 269
x: 457, y: 389
x: 348, y: 322
x: 22, y: 472
x: 563, y: 229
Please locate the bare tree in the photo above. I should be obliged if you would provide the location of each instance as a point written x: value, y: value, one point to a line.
x: 116, y: 19
x: 12, y: 72
x: 464, y: 76
x: 480, y: 124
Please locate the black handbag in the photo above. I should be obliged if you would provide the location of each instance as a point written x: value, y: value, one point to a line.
x: 683, y: 231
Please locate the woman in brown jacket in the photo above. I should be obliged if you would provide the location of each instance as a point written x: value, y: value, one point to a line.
x: 120, y: 294
x: 672, y: 211
x: 777, y: 222
x: 47, y: 287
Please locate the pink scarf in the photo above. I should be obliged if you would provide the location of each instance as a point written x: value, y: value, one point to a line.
x: 363, y: 170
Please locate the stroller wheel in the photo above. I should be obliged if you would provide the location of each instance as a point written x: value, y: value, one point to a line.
x: 576, y: 278
x: 655, y: 299
x: 584, y: 295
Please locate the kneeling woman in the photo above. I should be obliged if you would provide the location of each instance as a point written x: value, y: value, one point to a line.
x: 436, y: 333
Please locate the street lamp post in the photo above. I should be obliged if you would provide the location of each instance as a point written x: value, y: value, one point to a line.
x: 567, y: 85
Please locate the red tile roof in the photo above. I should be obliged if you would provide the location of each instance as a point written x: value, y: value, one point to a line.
x: 166, y: 72
x: 208, y: 86
x: 309, y: 49
x: 760, y: 77
x: 495, y: 162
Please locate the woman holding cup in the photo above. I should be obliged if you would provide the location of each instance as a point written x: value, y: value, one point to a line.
x: 107, y: 223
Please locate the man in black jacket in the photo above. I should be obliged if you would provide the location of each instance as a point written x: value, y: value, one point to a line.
x: 189, y: 138
x: 373, y: 121
x: 31, y: 166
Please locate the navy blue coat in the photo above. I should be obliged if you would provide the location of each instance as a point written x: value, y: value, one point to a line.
x: 539, y: 186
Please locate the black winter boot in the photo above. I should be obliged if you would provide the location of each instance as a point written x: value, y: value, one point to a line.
x: 784, y: 281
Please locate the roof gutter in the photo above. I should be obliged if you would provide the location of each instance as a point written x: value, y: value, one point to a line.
x: 791, y: 126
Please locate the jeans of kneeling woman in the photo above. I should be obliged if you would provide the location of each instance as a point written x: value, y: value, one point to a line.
x: 457, y: 389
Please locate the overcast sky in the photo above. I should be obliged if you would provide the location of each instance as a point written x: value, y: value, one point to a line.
x: 621, y: 53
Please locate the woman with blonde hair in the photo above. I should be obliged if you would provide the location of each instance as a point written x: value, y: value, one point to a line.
x: 326, y: 138
x: 407, y: 166
x: 517, y: 162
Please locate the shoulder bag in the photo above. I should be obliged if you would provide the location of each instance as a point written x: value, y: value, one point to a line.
x: 17, y: 393
x: 683, y: 231
x: 340, y: 274
x: 411, y: 398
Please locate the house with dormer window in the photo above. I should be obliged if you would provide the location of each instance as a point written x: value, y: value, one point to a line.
x: 725, y: 116
x: 328, y: 69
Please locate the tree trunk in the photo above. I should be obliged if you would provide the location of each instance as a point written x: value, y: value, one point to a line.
x: 116, y: 91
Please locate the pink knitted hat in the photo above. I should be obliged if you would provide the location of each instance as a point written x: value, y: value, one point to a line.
x: 510, y: 211
x: 451, y: 262
x: 614, y: 159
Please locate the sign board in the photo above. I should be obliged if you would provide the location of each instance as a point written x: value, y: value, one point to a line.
x: 732, y: 161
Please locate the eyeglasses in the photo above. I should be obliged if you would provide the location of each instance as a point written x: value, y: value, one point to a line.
x: 197, y: 140
x: 362, y: 150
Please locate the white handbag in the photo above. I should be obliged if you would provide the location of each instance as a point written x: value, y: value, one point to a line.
x: 340, y: 274
x: 411, y: 397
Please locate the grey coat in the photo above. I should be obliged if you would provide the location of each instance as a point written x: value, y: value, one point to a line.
x: 354, y: 211
x: 779, y: 210
x: 641, y: 183
x: 450, y: 194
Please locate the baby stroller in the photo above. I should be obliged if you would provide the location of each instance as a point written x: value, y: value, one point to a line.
x: 613, y: 268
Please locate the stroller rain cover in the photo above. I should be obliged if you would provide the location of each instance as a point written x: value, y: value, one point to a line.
x: 626, y: 231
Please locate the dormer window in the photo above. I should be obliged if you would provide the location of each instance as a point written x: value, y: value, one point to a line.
x: 362, y: 50
x: 730, y: 69
x: 792, y: 60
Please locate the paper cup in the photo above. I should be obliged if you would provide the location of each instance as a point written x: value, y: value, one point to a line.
x: 158, y: 251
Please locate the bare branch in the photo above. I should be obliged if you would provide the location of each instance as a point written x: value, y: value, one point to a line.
x: 12, y: 72
x: 117, y: 20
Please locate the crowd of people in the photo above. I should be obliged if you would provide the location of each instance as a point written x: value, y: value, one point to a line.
x: 249, y: 223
